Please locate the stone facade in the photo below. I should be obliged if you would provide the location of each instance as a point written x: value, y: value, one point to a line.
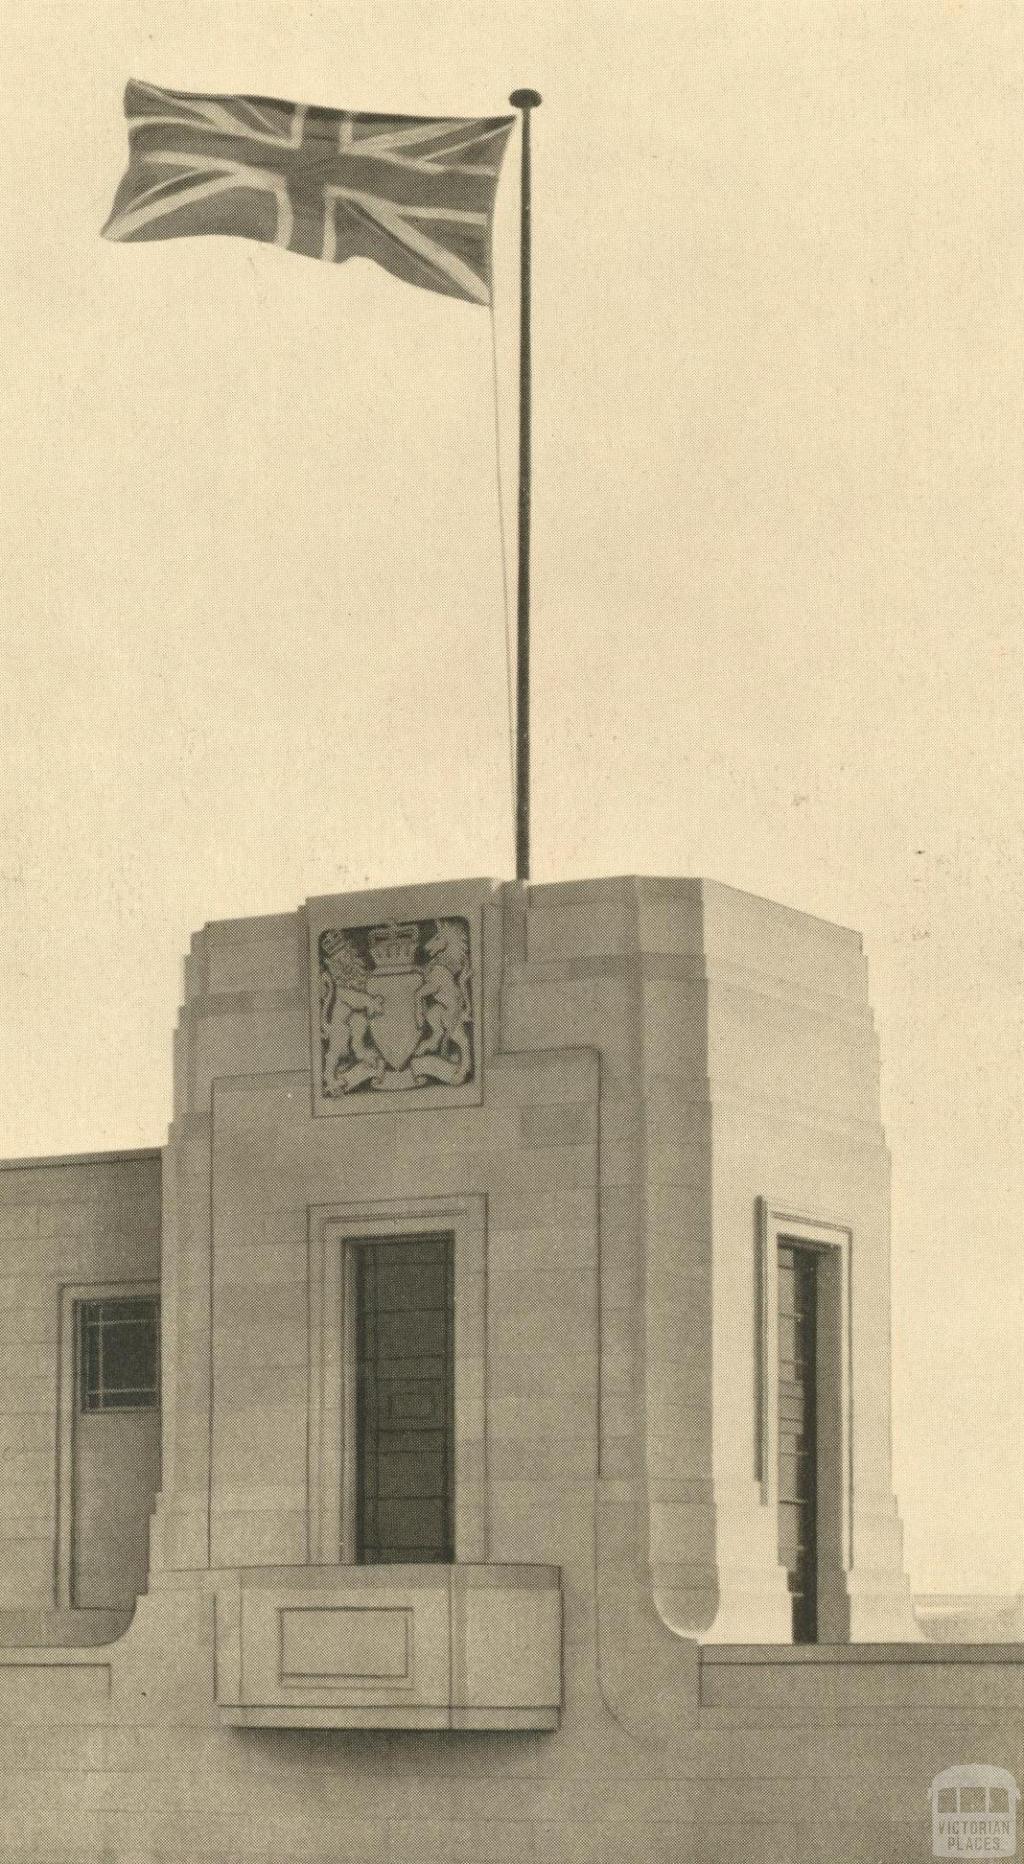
x: 614, y: 1098
x: 69, y: 1228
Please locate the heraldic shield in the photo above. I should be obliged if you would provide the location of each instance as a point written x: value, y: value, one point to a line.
x: 396, y: 1030
x: 395, y: 1007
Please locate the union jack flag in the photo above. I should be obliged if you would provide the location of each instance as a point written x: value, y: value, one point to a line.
x: 414, y: 193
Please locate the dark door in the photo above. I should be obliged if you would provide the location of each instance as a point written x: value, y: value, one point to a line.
x: 115, y: 1449
x: 404, y: 1417
x: 798, y: 1433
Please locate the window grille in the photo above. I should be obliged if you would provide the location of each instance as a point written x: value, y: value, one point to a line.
x: 119, y: 1354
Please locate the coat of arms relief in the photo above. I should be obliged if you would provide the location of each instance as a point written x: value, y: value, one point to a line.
x: 396, y: 1007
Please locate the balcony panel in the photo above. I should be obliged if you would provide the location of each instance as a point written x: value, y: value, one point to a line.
x: 390, y: 1647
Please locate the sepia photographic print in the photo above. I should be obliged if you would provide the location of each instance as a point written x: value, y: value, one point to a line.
x: 511, y: 882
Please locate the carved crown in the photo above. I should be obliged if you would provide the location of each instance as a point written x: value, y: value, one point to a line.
x: 393, y: 947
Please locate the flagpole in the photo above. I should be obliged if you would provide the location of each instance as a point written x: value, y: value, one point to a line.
x: 525, y: 101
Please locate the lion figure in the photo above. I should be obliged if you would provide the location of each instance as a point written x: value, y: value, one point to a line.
x: 346, y: 1007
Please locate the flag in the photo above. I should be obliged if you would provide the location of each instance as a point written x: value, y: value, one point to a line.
x: 416, y: 194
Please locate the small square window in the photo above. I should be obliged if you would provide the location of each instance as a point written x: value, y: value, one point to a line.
x: 999, y: 1799
x: 947, y: 1799
x: 119, y: 1354
x: 972, y: 1799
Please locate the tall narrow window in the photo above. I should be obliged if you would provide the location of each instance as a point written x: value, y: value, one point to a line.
x: 119, y: 1354
x: 798, y: 1434
x: 404, y: 1403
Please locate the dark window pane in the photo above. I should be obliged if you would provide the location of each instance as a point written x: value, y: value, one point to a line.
x: 119, y: 1354
x: 129, y: 1356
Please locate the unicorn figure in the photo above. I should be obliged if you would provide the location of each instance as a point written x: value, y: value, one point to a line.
x: 444, y: 1007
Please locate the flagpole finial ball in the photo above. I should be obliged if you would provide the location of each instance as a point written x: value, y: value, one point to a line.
x: 525, y: 100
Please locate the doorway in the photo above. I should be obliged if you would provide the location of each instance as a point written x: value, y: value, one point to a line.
x: 404, y: 1475
x: 799, y: 1433
x: 110, y: 1458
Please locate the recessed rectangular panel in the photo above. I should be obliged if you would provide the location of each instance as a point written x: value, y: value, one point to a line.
x: 422, y: 1474
x: 415, y: 1403
x: 414, y: 1332
x: 345, y: 1644
x: 419, y: 1286
x: 407, y: 1522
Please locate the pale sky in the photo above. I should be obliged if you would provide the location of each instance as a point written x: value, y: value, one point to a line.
x: 252, y: 626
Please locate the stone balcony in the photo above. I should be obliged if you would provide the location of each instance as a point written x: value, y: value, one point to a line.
x: 466, y: 1647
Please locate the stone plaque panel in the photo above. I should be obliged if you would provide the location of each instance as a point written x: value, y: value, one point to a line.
x: 396, y: 1000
